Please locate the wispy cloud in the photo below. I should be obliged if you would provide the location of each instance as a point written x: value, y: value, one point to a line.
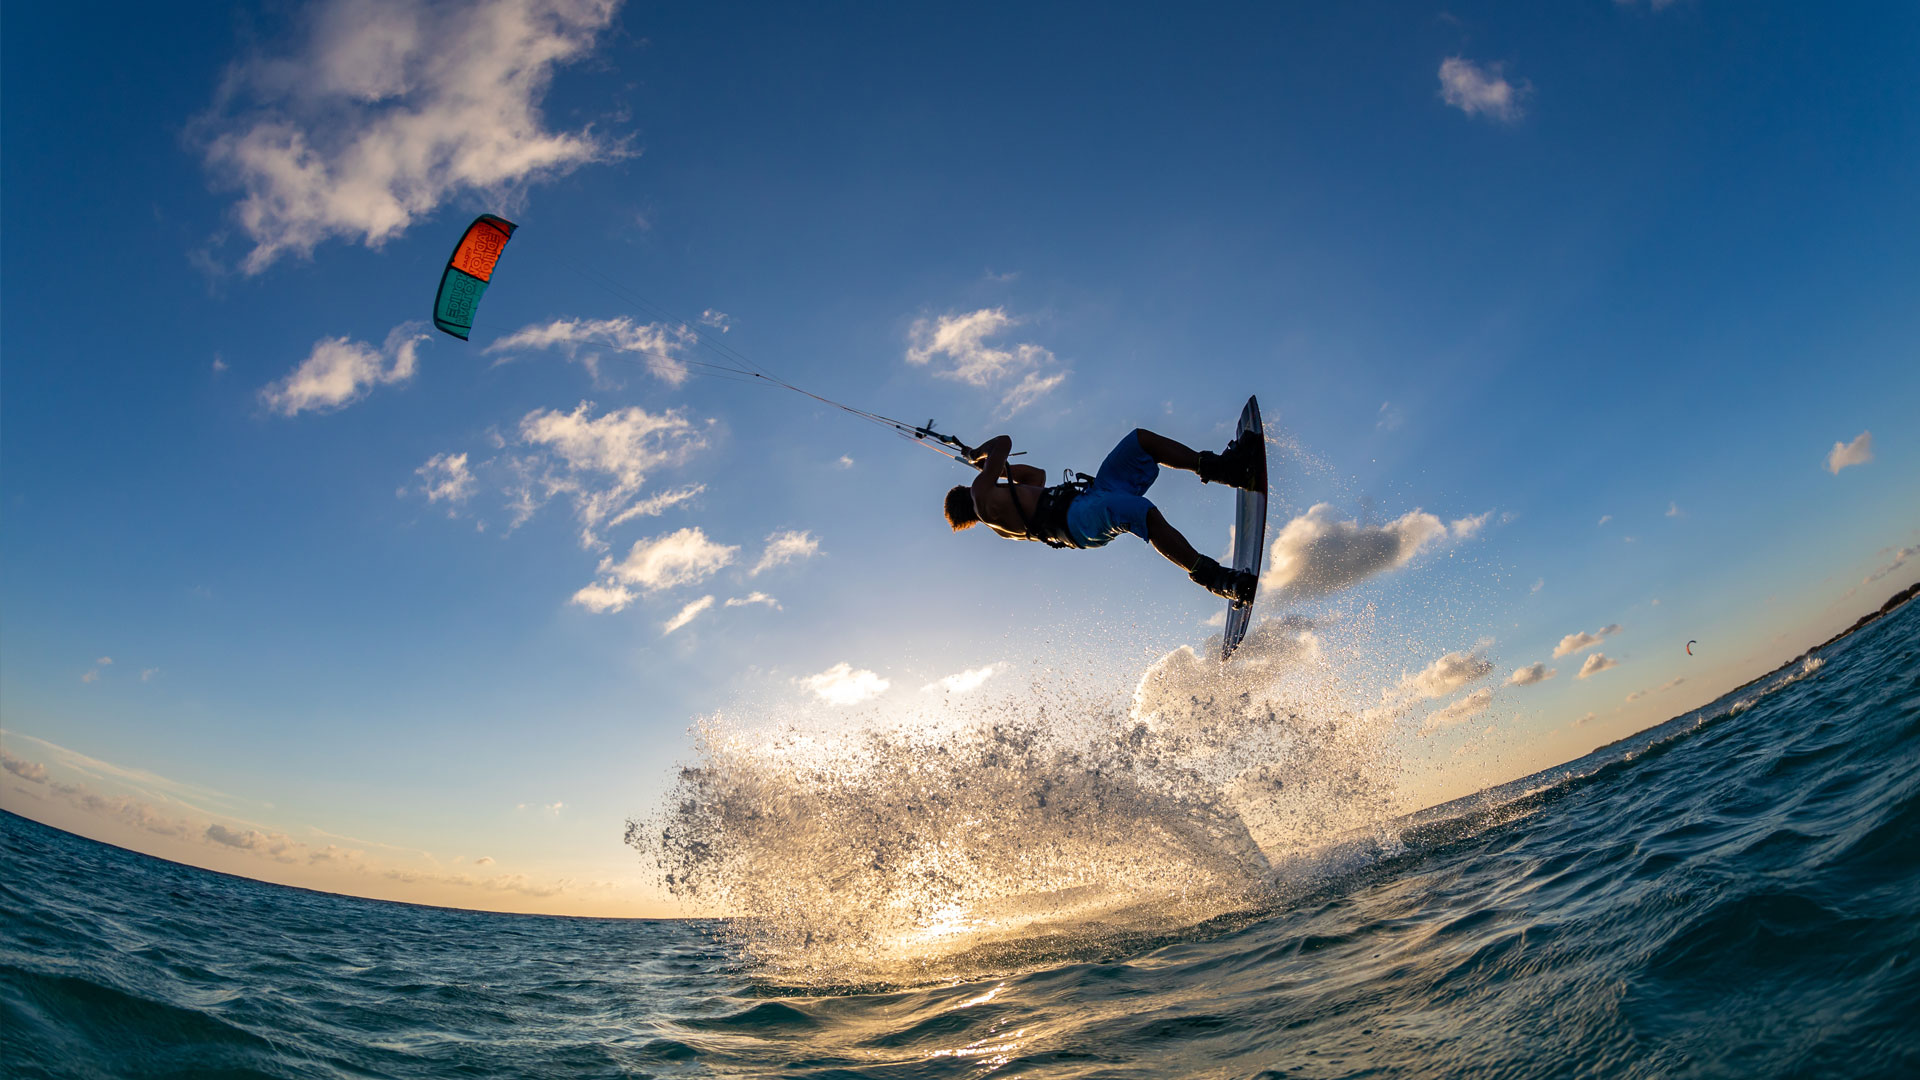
x: 1898, y: 560
x: 752, y: 598
x: 1661, y: 689
x: 1857, y: 452
x: 1579, y: 640
x: 602, y: 462
x: 339, y: 372
x: 655, y: 346
x: 962, y: 682
x: 1317, y: 553
x: 1466, y: 708
x: 687, y: 614
x: 446, y: 478
x: 1481, y: 90
x: 842, y: 684
x: 791, y: 545
x: 960, y: 345
x: 382, y: 112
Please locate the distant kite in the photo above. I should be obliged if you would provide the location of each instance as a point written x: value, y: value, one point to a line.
x: 469, y: 269
x: 1690, y: 646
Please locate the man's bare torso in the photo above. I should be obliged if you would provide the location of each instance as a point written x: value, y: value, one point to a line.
x: 1007, y: 507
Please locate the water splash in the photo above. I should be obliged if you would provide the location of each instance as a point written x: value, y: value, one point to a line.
x: 1060, y: 817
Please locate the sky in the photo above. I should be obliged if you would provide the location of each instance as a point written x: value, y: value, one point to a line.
x: 1582, y: 330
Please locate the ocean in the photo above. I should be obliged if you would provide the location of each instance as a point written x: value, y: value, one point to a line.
x: 1733, y: 893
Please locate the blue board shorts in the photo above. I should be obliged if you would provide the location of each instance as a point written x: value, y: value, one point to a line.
x: 1115, y: 502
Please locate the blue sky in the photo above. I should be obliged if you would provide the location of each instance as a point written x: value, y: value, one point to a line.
x: 1592, y: 290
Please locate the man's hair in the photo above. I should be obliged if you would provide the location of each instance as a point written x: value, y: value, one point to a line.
x: 960, y: 511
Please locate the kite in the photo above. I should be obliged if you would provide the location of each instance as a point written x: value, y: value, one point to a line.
x: 1690, y: 646
x: 469, y: 269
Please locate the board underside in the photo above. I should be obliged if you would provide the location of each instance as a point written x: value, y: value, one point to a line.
x: 1249, y: 530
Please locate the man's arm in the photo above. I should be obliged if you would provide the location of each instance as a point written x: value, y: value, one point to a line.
x: 991, y: 457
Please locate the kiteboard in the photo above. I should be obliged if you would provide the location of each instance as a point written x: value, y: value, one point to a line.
x: 1249, y: 530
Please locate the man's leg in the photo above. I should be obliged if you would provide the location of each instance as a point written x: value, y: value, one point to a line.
x: 1234, y: 466
x: 1219, y: 580
x: 1167, y: 540
x: 1165, y: 451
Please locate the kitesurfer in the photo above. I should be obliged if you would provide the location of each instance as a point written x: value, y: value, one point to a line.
x: 1094, y: 510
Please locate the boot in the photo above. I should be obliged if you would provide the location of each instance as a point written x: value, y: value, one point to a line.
x: 1223, y: 581
x: 1236, y: 466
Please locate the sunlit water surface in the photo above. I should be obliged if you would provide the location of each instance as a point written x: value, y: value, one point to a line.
x: 1734, y: 893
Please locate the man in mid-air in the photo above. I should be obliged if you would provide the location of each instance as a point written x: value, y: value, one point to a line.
x: 1090, y: 514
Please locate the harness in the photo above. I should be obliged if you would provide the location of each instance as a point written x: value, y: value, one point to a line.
x: 1048, y: 522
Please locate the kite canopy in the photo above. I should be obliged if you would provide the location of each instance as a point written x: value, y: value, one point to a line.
x: 468, y: 271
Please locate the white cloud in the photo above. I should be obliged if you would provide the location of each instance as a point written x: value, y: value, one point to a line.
x: 842, y: 685
x: 389, y: 108
x: 683, y: 557
x: 964, y: 681
x: 719, y: 320
x: 1466, y: 527
x: 1596, y: 664
x: 1445, y: 675
x: 446, y: 477
x: 1466, y: 708
x: 845, y: 462
x: 1532, y: 673
x: 277, y: 846
x: 961, y: 342
x: 791, y: 545
x: 219, y: 365
x: 1583, y: 721
x: 1479, y: 90
x: 339, y: 372
x: 1317, y: 553
x: 1604, y: 518
x: 657, y: 344
x: 1673, y: 509
x: 1390, y: 417
x: 603, y: 462
x: 1579, y: 640
x: 1857, y: 452
x: 753, y: 598
x: 687, y: 614
x: 147, y: 674
x: 1538, y: 584
x: 602, y: 599
x: 31, y: 771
